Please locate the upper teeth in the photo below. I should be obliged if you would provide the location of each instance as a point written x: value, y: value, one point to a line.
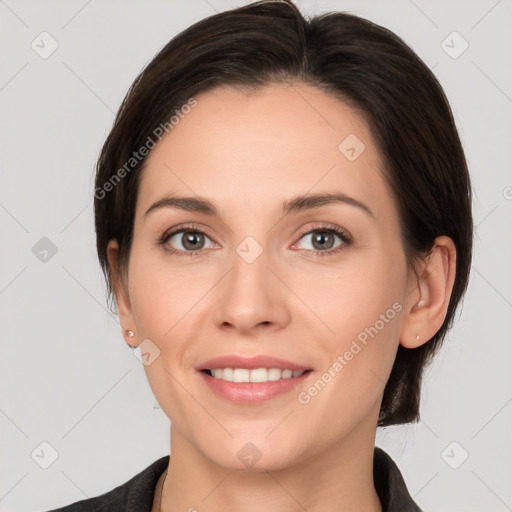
x: 255, y: 375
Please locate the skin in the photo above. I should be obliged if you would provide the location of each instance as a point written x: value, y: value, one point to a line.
x: 247, y: 153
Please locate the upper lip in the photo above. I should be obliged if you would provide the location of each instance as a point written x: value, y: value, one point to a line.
x: 261, y: 361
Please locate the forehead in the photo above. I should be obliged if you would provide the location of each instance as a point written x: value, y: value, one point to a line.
x: 254, y: 150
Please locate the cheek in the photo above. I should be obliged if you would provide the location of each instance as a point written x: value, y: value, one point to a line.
x: 162, y: 300
x: 352, y: 298
x: 161, y: 296
x: 357, y: 361
x: 362, y: 309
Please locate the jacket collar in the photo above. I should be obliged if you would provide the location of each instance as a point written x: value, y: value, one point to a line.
x: 388, y: 480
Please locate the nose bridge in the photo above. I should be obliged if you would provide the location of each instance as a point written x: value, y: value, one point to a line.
x: 251, y: 294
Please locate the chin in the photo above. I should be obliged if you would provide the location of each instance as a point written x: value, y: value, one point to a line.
x: 256, y: 455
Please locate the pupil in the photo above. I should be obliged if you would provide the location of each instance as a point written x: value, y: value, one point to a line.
x: 192, y: 238
x: 320, y: 239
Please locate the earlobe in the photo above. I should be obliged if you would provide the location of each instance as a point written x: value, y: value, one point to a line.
x: 428, y: 302
x: 121, y: 294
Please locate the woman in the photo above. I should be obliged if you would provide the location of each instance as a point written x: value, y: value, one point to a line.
x: 283, y: 215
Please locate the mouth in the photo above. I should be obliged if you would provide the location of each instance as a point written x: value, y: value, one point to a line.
x: 252, y: 380
x: 256, y: 375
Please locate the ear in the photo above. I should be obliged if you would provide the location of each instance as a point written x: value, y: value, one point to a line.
x: 120, y: 288
x: 428, y: 301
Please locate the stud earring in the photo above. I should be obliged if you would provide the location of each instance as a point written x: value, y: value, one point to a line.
x: 417, y: 337
x: 420, y: 303
x: 130, y: 334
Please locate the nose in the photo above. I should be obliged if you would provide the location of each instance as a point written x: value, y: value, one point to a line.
x: 251, y: 297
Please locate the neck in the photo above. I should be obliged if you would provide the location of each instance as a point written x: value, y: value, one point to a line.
x: 339, y: 480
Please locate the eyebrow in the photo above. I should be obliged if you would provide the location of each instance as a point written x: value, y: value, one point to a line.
x: 295, y: 204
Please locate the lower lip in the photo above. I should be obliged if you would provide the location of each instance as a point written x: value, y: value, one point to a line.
x: 252, y: 392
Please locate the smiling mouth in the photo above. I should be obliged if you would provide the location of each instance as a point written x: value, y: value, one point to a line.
x: 255, y: 375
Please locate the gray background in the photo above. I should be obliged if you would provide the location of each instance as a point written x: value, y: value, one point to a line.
x: 67, y: 377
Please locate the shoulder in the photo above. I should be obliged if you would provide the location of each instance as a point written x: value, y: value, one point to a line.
x: 134, y: 495
x: 390, y: 485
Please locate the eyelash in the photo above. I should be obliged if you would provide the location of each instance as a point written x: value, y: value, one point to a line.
x: 343, y: 235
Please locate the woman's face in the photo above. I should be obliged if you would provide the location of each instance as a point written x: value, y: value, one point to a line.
x: 257, y: 286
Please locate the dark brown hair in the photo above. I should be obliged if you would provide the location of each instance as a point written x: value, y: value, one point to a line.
x: 362, y: 64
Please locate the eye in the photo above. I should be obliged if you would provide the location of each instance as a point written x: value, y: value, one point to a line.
x: 186, y: 241
x: 323, y: 239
